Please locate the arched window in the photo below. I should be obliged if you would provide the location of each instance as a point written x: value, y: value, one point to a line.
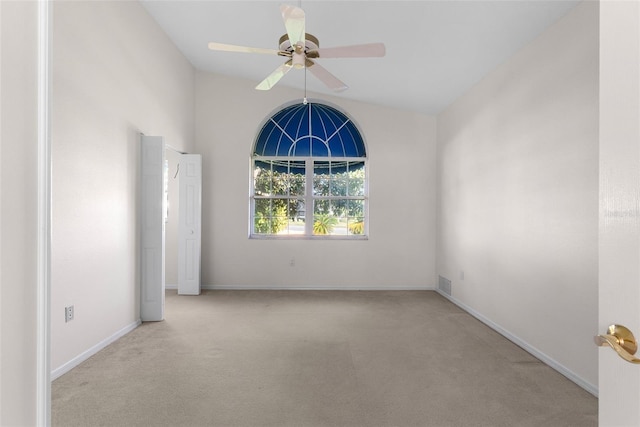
x: 309, y: 165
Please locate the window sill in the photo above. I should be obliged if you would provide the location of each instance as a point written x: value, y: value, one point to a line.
x: 305, y: 237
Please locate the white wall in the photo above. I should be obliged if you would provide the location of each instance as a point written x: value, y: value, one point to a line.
x: 115, y: 74
x: 400, y: 251
x: 518, y: 195
x: 18, y: 210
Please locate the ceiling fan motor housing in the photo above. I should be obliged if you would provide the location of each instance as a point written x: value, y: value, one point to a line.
x: 310, y: 43
x: 298, y: 53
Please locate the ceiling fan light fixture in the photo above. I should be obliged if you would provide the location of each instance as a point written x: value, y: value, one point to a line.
x: 298, y: 61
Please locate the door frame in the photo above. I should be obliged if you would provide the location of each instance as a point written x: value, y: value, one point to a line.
x: 43, y: 285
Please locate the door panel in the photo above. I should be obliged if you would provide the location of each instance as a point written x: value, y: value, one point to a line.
x: 619, y: 243
x: 152, y: 226
x: 189, y: 227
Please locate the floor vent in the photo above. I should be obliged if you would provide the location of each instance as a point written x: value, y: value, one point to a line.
x: 444, y: 285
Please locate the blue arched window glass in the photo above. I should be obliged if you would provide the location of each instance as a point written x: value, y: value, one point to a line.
x: 309, y: 174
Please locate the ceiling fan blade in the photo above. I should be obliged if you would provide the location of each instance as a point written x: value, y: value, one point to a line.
x: 274, y: 77
x: 369, y: 50
x: 293, y: 18
x: 331, y: 81
x: 244, y: 49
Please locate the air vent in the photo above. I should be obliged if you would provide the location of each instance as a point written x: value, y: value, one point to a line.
x: 444, y: 285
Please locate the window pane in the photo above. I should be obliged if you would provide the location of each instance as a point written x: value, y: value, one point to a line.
x: 324, y: 224
x: 297, y: 210
x: 339, y: 207
x: 321, y: 185
x: 297, y: 184
x: 261, y: 224
x: 325, y: 219
x: 356, y: 208
x: 279, y: 224
x: 296, y: 219
x: 339, y: 184
x: 340, y: 229
x: 270, y: 215
x: 356, y: 179
x: 279, y: 183
x: 355, y: 225
x: 279, y: 214
x: 321, y: 207
x: 321, y: 178
x: 279, y: 178
x: 263, y: 206
x: 261, y: 179
x: 338, y: 178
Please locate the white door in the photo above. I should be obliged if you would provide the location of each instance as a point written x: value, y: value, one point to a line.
x: 189, y: 224
x: 152, y: 229
x: 619, y: 246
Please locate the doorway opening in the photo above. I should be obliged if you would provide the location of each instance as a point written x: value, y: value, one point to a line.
x: 154, y: 216
x: 172, y: 185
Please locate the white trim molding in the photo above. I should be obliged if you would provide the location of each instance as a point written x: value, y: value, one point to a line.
x: 43, y: 345
x: 591, y: 388
x: 58, y: 372
x: 313, y: 288
x: 0, y: 213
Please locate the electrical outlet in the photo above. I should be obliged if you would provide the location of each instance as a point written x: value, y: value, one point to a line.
x: 68, y: 314
x: 292, y: 262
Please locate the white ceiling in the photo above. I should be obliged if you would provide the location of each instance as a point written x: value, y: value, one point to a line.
x: 436, y: 50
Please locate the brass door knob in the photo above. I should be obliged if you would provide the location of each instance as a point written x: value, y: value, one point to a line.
x: 621, y: 339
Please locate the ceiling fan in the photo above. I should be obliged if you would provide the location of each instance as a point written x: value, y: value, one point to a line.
x: 303, y: 49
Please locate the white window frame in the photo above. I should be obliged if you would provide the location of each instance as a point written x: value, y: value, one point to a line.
x: 309, y: 199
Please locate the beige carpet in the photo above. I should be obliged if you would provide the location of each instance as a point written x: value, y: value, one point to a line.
x: 316, y: 358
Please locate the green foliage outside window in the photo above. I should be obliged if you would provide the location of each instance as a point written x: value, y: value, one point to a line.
x: 279, y: 200
x: 342, y: 184
x: 356, y: 227
x: 273, y: 217
x: 324, y: 224
x: 266, y: 224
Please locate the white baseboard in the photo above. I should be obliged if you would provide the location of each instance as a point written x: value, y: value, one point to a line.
x: 314, y: 288
x: 591, y: 388
x: 170, y: 287
x: 58, y: 372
